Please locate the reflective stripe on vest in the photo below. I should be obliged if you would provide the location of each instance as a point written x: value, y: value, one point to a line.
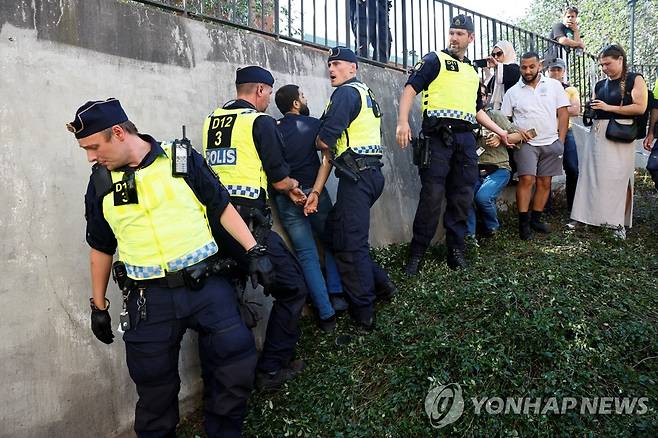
x: 363, y: 135
x: 452, y: 94
x: 229, y: 148
x: 166, y: 230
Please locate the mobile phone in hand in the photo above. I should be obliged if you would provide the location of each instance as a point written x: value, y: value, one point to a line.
x: 532, y: 132
x: 481, y: 63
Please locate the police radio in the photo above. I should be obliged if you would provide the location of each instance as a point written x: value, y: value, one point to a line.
x: 181, y: 150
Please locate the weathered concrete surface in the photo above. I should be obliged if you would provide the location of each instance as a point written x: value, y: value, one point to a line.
x: 57, y: 379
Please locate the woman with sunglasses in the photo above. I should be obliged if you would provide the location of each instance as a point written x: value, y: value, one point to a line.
x: 506, y: 72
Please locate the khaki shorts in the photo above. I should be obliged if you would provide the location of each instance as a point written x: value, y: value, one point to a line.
x: 539, y: 160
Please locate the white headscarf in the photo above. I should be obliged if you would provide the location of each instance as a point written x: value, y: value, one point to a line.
x: 509, y: 57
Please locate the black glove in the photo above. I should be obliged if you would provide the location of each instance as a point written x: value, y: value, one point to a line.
x: 101, y: 323
x: 260, y: 267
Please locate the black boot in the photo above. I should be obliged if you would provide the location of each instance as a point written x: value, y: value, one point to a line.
x: 525, y: 232
x: 387, y: 291
x: 537, y: 225
x: 456, y: 259
x: 413, y: 265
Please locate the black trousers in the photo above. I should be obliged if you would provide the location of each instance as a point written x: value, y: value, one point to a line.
x: 451, y: 175
x: 226, y: 349
x: 289, y: 292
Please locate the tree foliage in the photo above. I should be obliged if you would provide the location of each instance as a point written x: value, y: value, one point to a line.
x: 601, y: 23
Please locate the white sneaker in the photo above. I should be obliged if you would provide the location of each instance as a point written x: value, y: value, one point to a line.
x: 574, y: 225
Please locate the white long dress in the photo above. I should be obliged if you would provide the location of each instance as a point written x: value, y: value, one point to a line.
x: 605, y: 176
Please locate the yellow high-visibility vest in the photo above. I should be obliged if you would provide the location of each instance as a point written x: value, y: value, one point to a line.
x: 229, y: 148
x: 452, y: 94
x: 166, y: 230
x: 363, y: 135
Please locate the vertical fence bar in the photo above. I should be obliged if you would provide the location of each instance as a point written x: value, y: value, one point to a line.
x: 405, y: 62
x: 347, y: 22
x: 326, y: 34
x: 276, y: 17
x: 337, y: 25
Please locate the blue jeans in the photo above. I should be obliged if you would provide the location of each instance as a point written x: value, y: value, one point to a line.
x: 486, y: 193
x: 301, y: 230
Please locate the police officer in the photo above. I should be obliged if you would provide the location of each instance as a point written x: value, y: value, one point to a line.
x: 242, y: 144
x: 351, y: 129
x: 451, y: 105
x: 158, y: 222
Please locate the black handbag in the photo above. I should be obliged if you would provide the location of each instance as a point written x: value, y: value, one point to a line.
x: 620, y: 132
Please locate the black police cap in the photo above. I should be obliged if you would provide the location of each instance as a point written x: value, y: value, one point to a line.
x: 253, y: 74
x: 342, y: 54
x: 462, y: 21
x: 95, y: 116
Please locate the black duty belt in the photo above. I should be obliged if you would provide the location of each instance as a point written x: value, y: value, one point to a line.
x: 365, y: 162
x: 193, y: 276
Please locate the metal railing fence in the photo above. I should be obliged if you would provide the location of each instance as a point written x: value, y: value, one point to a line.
x: 391, y: 33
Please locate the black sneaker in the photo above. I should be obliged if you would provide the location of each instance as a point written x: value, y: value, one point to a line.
x: 328, y: 325
x: 273, y: 381
x: 387, y: 291
x: 537, y: 225
x: 366, y: 325
x: 338, y: 302
x: 413, y: 265
x: 456, y: 259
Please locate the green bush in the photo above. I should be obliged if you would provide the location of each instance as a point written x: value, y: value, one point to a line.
x: 572, y: 314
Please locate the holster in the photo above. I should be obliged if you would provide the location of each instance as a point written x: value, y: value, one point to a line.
x: 422, y: 152
x: 346, y: 167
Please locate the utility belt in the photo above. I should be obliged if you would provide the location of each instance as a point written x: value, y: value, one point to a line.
x: 349, y: 164
x: 193, y: 277
x: 445, y: 128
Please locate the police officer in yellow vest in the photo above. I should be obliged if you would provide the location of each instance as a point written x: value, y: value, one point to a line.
x: 351, y: 129
x: 241, y: 143
x: 451, y: 106
x: 152, y: 200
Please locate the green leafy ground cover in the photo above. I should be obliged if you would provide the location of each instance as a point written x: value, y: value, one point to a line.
x: 572, y: 314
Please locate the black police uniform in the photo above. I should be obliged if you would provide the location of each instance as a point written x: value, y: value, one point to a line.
x: 289, y: 289
x: 226, y: 346
x: 348, y: 224
x: 452, y: 171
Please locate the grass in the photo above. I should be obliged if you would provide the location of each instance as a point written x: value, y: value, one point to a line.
x: 571, y: 314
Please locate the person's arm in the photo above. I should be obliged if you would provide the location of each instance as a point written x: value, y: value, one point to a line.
x: 100, y: 265
x: 574, y: 100
x: 639, y: 105
x: 234, y: 224
x: 403, y: 130
x: 269, y: 145
x: 562, y: 123
x: 561, y: 38
x: 423, y: 73
x: 649, y: 138
x: 484, y: 120
x: 344, y: 107
x: 313, y: 198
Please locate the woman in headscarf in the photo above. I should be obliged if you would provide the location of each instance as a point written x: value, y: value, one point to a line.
x: 506, y: 71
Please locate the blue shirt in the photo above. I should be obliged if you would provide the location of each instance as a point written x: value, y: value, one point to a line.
x: 427, y: 69
x: 344, y: 107
x: 299, y: 150
x: 202, y: 180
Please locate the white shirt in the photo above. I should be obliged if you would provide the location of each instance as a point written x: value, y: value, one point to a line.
x: 536, y: 108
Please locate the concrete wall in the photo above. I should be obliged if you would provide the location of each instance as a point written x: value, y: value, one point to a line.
x: 56, y: 378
